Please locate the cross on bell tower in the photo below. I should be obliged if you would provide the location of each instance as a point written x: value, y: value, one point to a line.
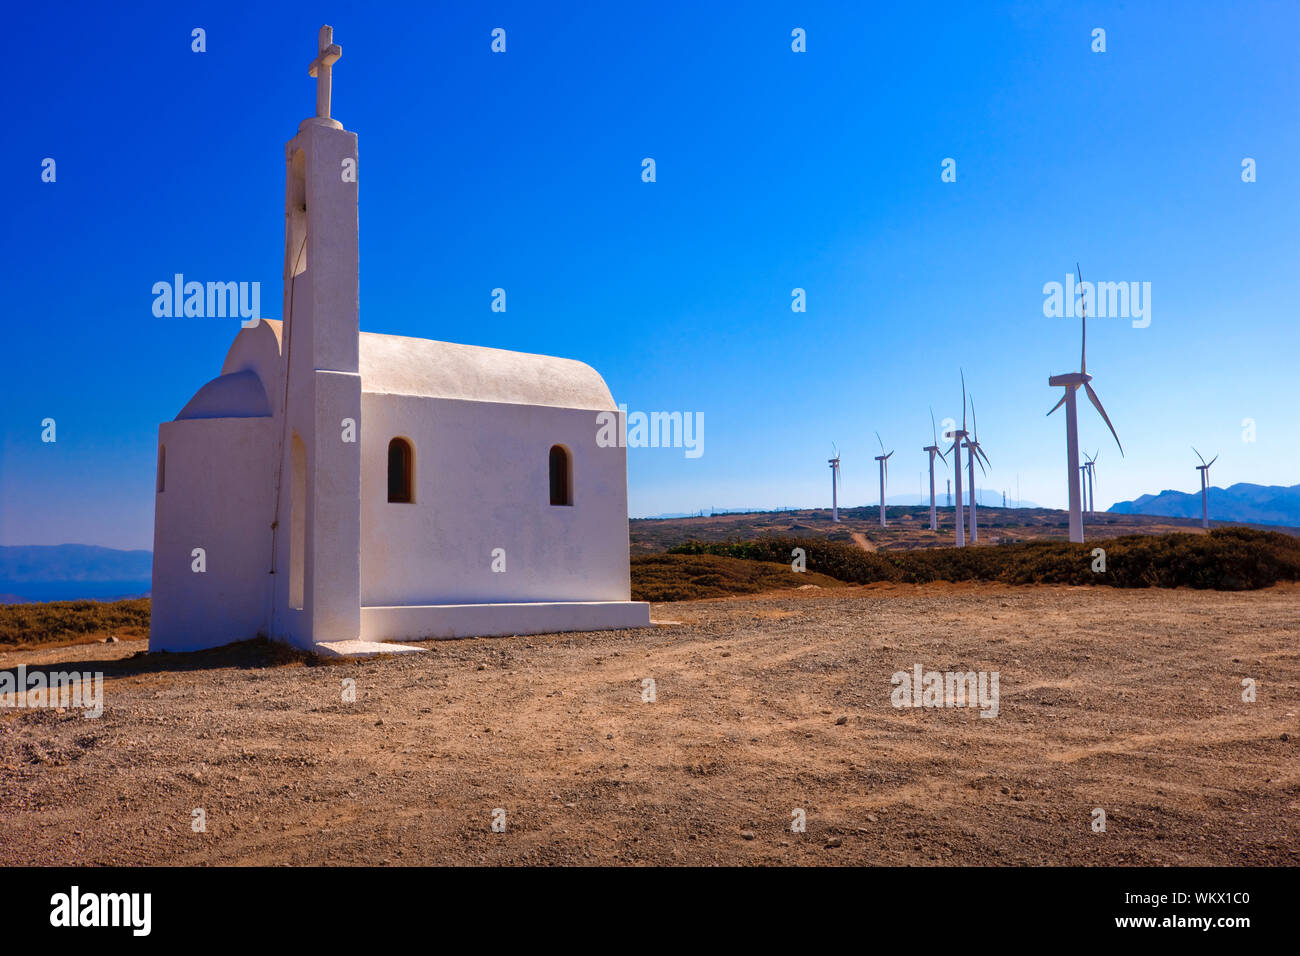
x: 322, y: 68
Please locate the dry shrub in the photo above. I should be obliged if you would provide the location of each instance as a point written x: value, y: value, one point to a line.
x: 1226, y: 559
x: 682, y: 577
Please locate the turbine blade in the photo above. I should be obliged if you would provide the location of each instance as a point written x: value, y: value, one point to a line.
x: 1213, y: 460
x: 1060, y: 403
x: 980, y: 451
x: 882, y: 444
x: 1199, y: 455
x: 1083, y: 354
x: 1092, y: 396
x: 963, y: 399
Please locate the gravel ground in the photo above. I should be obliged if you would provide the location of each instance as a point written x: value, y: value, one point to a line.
x: 1130, y: 701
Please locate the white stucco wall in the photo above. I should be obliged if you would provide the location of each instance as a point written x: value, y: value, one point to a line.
x: 482, y: 481
x: 217, y: 496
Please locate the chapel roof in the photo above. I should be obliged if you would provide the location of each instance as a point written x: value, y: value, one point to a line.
x: 233, y: 395
x: 401, y: 365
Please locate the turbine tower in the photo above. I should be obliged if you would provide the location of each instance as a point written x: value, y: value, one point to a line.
x: 958, y: 436
x: 1204, y: 469
x: 1071, y: 382
x: 974, y: 454
x: 884, y: 473
x: 835, y: 484
x: 933, y: 449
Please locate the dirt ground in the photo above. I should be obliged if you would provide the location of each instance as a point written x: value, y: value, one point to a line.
x: 1130, y: 701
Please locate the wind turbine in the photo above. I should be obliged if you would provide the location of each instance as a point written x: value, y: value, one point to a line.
x: 974, y: 453
x: 1204, y: 469
x: 884, y: 473
x: 933, y: 449
x: 1071, y: 382
x: 835, y: 483
x: 958, y: 435
x: 1090, y: 471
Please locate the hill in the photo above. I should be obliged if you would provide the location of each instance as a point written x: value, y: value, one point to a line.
x: 908, y: 527
x: 1245, y: 502
x: 72, y: 572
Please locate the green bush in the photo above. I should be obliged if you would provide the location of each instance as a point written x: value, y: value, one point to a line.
x: 1226, y: 559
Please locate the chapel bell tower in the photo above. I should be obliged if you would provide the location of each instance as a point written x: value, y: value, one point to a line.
x: 318, y: 516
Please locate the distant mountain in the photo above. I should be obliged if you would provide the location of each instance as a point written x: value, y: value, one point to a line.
x: 1255, y: 504
x: 69, y: 572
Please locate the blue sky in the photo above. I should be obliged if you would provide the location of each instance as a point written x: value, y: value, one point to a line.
x: 775, y: 170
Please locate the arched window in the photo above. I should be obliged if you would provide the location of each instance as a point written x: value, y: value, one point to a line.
x: 401, y: 471
x: 162, y: 468
x: 561, y: 476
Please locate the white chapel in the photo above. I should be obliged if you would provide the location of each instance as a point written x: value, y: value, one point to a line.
x: 338, y: 489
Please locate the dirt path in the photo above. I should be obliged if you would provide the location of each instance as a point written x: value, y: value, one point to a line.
x: 1125, y: 700
x: 862, y: 541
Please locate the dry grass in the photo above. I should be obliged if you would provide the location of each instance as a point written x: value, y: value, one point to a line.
x: 70, y: 622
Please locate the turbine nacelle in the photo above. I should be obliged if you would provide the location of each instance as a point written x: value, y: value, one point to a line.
x: 1070, y: 378
x: 1072, y: 381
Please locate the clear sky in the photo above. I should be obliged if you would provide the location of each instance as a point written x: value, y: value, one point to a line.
x: 775, y: 170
